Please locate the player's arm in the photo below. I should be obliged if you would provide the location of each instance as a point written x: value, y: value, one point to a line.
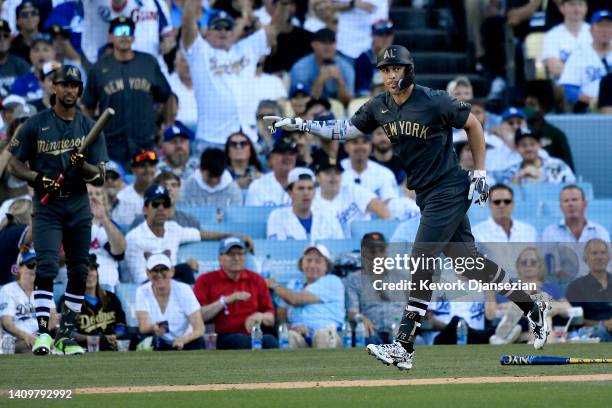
x: 339, y: 129
x: 475, y: 136
x: 294, y: 298
x: 20, y: 170
x: 191, y: 11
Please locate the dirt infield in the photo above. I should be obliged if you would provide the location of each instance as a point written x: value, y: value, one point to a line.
x: 343, y: 384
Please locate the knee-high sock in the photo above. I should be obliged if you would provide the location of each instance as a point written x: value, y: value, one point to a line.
x: 43, y: 302
x: 75, y: 293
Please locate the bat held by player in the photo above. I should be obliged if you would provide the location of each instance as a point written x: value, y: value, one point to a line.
x: 89, y: 139
x: 548, y: 360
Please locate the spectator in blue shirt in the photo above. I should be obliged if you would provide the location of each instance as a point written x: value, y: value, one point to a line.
x: 41, y: 52
x: 325, y: 72
x: 365, y: 64
x: 313, y: 304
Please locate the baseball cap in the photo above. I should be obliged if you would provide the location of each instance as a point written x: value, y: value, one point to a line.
x: 326, y: 162
x: 228, y: 243
x: 297, y: 88
x: 513, y: 112
x: 154, y: 192
x: 382, y: 27
x: 322, y: 249
x: 158, y: 259
x: 324, y: 35
x: 283, y: 142
x: 525, y: 133
x: 145, y: 156
x: 57, y: 29
x: 373, y: 238
x: 41, y: 37
x: 601, y: 15
x: 115, y: 167
x: 93, y: 261
x: 49, y: 67
x: 121, y: 21
x: 24, y: 111
x: 5, y: 26
x: 24, y: 4
x: 178, y: 129
x: 26, y: 256
x: 13, y: 100
x: 318, y: 101
x: 300, y: 173
x: 217, y: 16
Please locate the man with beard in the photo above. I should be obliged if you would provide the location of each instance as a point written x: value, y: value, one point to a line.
x: 382, y: 153
x: 11, y: 66
x: 48, y: 142
x: 176, y: 147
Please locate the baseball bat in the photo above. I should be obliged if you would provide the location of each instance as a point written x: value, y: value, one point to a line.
x: 89, y: 139
x: 546, y: 360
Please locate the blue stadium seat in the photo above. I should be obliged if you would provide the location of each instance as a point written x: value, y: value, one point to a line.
x: 247, y: 214
x: 546, y: 191
x: 385, y: 227
x: 205, y: 215
x: 339, y: 246
x: 58, y: 291
x: 202, y: 251
x: 478, y: 214
x: 256, y: 230
x: 126, y: 292
x: 280, y: 250
x: 600, y: 211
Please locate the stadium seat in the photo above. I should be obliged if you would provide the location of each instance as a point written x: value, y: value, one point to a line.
x: 126, y: 292
x: 355, y: 104
x: 255, y: 230
x: 202, y: 251
x: 59, y: 289
x: 409, y: 18
x: 339, y: 246
x: 533, y: 45
x: 478, y: 214
x: 246, y: 214
x: 385, y: 227
x: 205, y: 215
x: 546, y: 191
x: 280, y: 250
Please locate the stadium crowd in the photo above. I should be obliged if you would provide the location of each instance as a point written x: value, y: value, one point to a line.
x: 191, y: 82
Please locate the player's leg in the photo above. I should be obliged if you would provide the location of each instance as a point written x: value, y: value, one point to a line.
x: 77, y: 236
x: 47, y: 238
x: 462, y: 245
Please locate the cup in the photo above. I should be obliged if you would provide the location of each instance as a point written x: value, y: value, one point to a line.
x: 211, y: 341
x: 93, y: 344
x: 123, y: 345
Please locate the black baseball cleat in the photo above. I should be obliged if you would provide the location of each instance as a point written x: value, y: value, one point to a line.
x: 65, y: 344
x: 392, y: 353
x: 538, y: 323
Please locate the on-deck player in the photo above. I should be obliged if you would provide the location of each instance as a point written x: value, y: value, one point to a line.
x: 419, y: 123
x: 48, y: 142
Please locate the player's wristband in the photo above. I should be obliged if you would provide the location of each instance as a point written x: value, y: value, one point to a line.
x: 479, y: 174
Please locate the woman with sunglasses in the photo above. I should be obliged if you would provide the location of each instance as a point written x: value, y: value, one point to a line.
x: 242, y: 161
x: 17, y: 311
x: 167, y: 310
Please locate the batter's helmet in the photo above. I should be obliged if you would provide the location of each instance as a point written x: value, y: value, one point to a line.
x: 397, y: 55
x: 68, y: 73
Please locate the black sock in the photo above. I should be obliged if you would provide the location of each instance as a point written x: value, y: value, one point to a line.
x: 522, y: 300
x: 43, y: 302
x: 406, y: 333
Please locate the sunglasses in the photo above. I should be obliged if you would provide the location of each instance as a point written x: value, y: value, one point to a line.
x: 112, y: 176
x: 122, y: 31
x: 239, y: 145
x: 26, y: 14
x: 147, y: 155
x: 30, y: 265
x: 162, y: 270
x: 222, y: 27
x: 528, y: 262
x: 157, y: 203
x: 506, y: 201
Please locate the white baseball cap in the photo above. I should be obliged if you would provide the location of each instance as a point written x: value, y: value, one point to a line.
x: 157, y: 260
x: 322, y: 249
x: 300, y: 173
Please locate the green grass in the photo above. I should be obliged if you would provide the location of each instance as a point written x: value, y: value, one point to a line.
x: 206, y: 367
x: 558, y: 395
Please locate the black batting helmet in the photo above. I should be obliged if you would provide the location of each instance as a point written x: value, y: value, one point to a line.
x: 68, y: 73
x: 394, y: 55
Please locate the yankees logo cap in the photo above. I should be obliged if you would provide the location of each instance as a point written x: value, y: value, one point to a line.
x: 156, y: 191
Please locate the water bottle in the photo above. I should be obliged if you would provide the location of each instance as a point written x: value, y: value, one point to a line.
x: 256, y: 337
x: 265, y: 267
x: 283, y: 336
x: 394, y: 329
x: 360, y: 333
x: 462, y: 332
x: 347, y: 335
x: 219, y: 216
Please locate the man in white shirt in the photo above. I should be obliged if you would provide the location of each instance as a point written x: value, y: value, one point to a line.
x: 130, y: 199
x: 574, y: 227
x: 301, y: 221
x: 561, y: 40
x: 270, y: 189
x: 348, y: 202
x: 359, y: 169
x: 587, y: 65
x: 500, y: 226
x: 151, y: 17
x: 224, y: 75
x: 157, y: 234
x: 354, y: 20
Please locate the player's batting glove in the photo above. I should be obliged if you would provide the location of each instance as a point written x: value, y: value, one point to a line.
x: 479, y: 186
x: 77, y: 159
x: 46, y: 184
x: 288, y: 124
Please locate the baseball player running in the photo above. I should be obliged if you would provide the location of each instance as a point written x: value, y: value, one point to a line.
x: 48, y: 142
x: 419, y: 123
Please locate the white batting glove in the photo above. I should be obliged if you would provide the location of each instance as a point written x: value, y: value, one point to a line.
x: 288, y: 124
x: 479, y: 185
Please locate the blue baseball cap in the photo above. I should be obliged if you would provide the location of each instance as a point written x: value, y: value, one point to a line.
x: 25, y: 257
x: 299, y: 87
x: 601, y: 15
x: 513, y: 112
x: 382, y: 27
x: 154, y: 192
x: 115, y: 167
x: 228, y: 243
x: 176, y: 130
x: 216, y: 16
